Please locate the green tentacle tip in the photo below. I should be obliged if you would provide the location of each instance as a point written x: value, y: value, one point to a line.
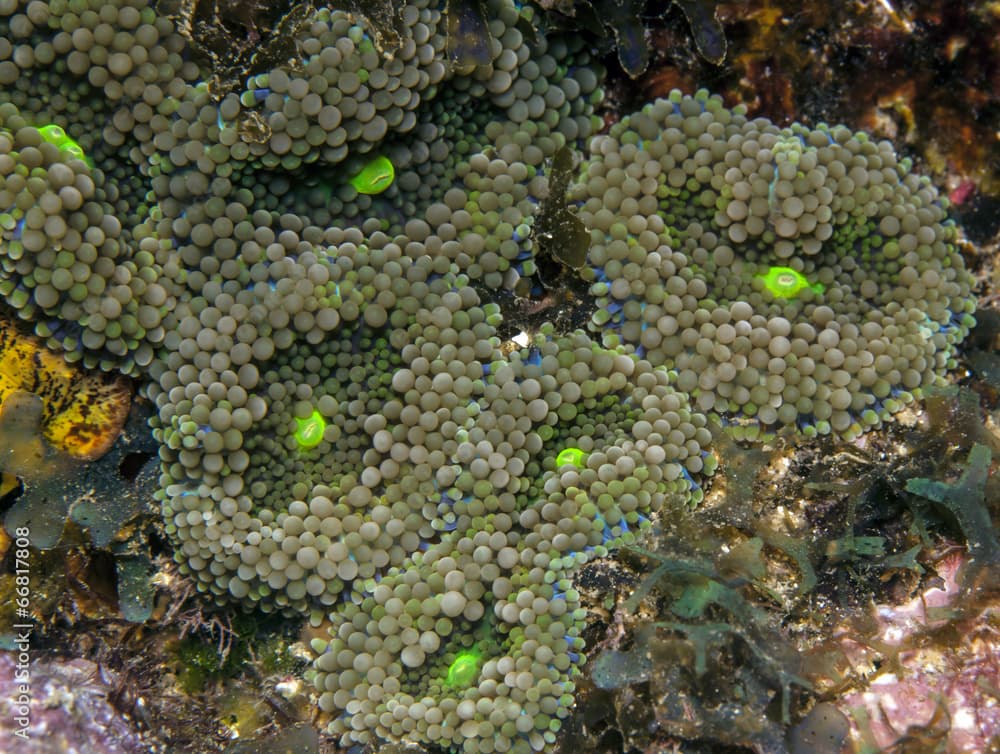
x: 784, y: 282
x: 464, y: 669
x: 56, y: 136
x: 375, y: 177
x: 574, y: 456
x: 309, y: 432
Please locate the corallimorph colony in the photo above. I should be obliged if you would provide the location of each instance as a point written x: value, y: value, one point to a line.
x: 304, y: 274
